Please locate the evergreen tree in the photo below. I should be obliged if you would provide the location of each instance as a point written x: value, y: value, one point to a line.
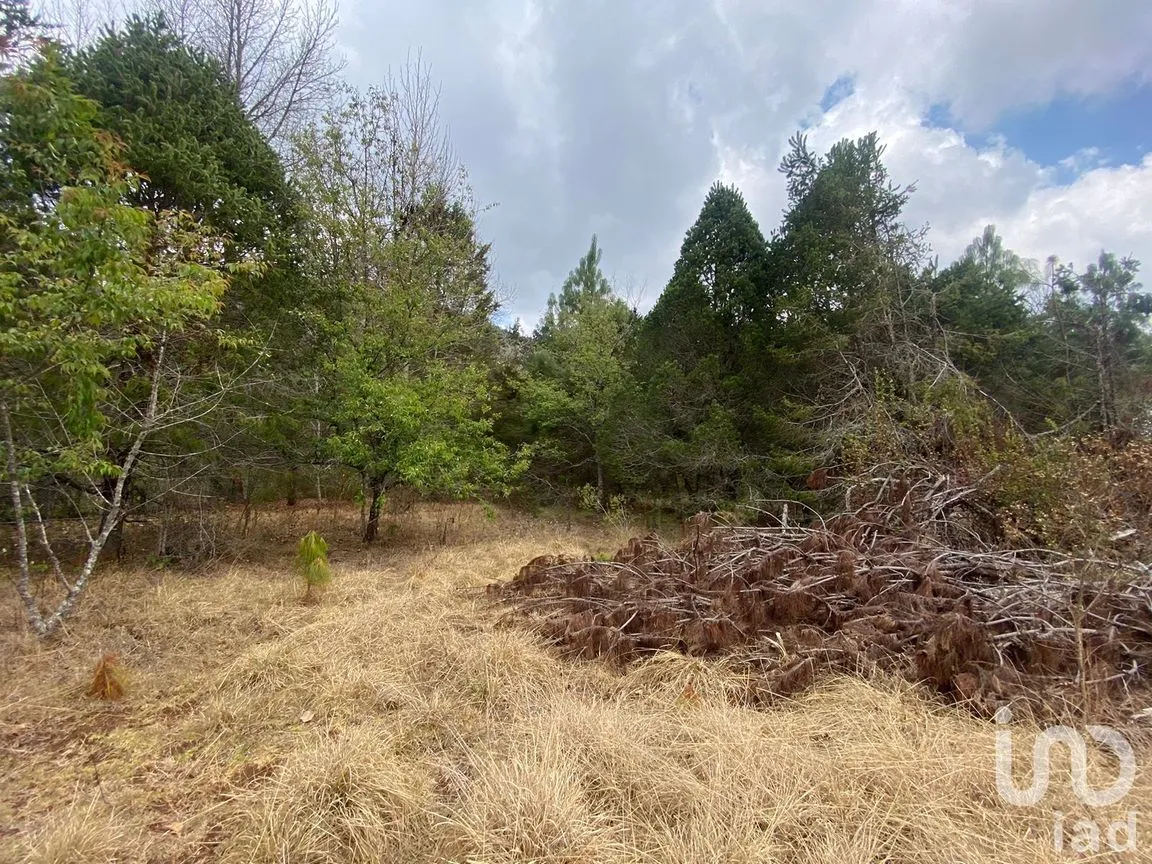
x: 186, y: 133
x: 1097, y: 321
x: 718, y: 308
x: 578, y: 381
x: 842, y: 243
x: 587, y: 280
x: 184, y: 129
x: 985, y: 327
x: 849, y: 269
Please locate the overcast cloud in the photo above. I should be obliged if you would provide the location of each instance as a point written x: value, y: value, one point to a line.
x: 614, y: 117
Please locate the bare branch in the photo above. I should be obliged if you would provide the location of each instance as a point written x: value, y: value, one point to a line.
x: 44, y: 539
x: 278, y: 53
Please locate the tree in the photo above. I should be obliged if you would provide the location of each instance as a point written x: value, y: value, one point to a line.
x: 87, y: 282
x: 390, y: 228
x: 700, y: 345
x: 1100, y: 315
x: 587, y: 280
x: 19, y: 29
x: 278, y: 54
x: 842, y: 245
x: 577, y: 374
x: 724, y: 261
x: 185, y: 132
x: 78, y: 22
x: 985, y: 326
x: 721, y: 283
x: 851, y: 277
x: 312, y: 562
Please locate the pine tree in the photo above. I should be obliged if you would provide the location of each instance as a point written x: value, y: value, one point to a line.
x: 586, y: 281
x: 692, y: 348
x: 578, y: 380
x: 312, y: 562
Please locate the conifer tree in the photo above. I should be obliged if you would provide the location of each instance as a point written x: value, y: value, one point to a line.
x: 578, y: 381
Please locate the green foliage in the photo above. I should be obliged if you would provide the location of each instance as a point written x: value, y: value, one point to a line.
x: 312, y: 562
x: 87, y: 281
x: 1101, y: 314
x: 586, y: 283
x: 184, y: 130
x: 1026, y: 491
x: 405, y: 343
x: 612, y: 508
x: 577, y: 385
x: 186, y: 133
x: 98, y: 297
x: 985, y: 326
x: 721, y: 282
x: 134, y: 191
x: 842, y: 230
x: 715, y: 420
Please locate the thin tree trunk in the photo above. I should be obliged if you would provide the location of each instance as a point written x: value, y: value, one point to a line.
x: 1104, y: 374
x: 599, y: 482
x: 376, y: 489
x: 116, y: 538
x: 46, y: 626
x: 22, y: 579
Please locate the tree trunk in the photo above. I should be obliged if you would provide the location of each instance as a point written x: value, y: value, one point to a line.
x: 115, y: 545
x: 600, y: 483
x: 376, y: 490
x: 1104, y: 373
x: 293, y: 474
x: 46, y: 625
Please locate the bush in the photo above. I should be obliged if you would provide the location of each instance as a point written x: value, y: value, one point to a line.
x: 312, y: 561
x: 1078, y: 495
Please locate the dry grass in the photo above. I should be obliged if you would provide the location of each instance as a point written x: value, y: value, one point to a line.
x: 395, y: 721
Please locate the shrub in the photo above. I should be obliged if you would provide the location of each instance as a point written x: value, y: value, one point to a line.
x: 312, y: 562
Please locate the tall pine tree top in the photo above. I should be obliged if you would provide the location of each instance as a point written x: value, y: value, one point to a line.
x: 724, y: 255
x: 721, y: 283
x: 842, y: 226
x: 586, y: 281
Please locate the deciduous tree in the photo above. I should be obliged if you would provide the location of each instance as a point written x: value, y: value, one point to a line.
x: 95, y: 294
x: 405, y: 394
x: 278, y: 54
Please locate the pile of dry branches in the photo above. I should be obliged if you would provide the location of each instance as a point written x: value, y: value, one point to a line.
x: 877, y: 588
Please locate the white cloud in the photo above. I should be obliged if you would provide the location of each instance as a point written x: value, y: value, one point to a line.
x: 615, y: 117
x: 961, y: 187
x: 1108, y: 207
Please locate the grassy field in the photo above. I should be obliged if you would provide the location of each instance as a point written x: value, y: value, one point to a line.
x: 396, y: 720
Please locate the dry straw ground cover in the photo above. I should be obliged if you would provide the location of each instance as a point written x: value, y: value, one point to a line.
x: 398, y: 720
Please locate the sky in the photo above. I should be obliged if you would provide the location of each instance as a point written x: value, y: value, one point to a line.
x: 614, y: 117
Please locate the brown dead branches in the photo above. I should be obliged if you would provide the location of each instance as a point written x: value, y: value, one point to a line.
x: 873, y: 589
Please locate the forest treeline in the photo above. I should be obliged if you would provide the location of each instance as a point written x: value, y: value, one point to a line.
x: 236, y: 283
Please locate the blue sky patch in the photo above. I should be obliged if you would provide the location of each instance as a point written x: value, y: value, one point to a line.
x: 1119, y: 126
x: 938, y: 116
x: 1060, y: 134
x: 837, y: 92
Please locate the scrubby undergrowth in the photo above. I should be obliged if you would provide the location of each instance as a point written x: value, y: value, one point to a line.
x: 395, y: 721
